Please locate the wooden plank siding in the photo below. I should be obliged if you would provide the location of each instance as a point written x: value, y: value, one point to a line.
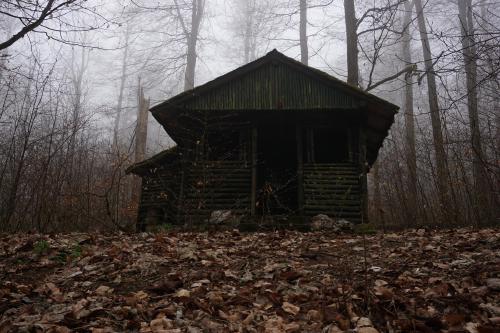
x: 216, y: 185
x: 328, y: 188
x: 333, y: 189
x: 159, y: 198
x: 273, y: 86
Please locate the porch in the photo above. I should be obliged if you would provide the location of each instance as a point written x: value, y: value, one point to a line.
x: 287, y: 170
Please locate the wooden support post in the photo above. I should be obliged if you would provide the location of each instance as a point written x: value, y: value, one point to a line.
x: 254, y: 171
x: 180, y: 202
x: 242, y: 154
x: 310, y: 145
x: 300, y: 169
x: 350, y: 144
x: 312, y: 148
x: 363, y: 177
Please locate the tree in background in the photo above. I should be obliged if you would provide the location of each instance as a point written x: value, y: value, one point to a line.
x: 469, y: 51
x: 191, y: 32
x: 410, y: 150
x: 304, y: 49
x: 254, y: 24
x: 52, y: 18
x: 351, y: 24
x: 442, y: 177
x: 58, y: 149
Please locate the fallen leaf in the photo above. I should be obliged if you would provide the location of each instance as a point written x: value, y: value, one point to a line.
x: 290, y: 308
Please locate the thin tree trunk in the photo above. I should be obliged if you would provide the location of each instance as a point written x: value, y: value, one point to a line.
x: 142, y: 125
x: 116, y: 145
x: 411, y: 158
x: 191, y: 65
x: 192, y: 38
x: 469, y: 54
x: 495, y: 106
x: 122, y: 88
x: 437, y: 134
x: 73, y: 165
x: 249, y: 13
x: 141, y: 135
x: 376, y: 193
x: 352, y: 43
x: 304, y: 51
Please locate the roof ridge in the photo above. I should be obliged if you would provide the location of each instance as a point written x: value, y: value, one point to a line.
x: 274, y: 54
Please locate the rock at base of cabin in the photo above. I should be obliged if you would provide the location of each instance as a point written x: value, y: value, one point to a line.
x: 324, y: 222
x: 321, y: 222
x: 344, y: 225
x: 223, y: 217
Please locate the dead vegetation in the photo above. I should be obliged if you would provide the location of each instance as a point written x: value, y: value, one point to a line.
x: 415, y: 281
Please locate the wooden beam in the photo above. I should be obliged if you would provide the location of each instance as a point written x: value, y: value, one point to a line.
x: 300, y: 169
x: 180, y: 202
x: 363, y: 167
x: 350, y: 144
x: 310, y: 145
x: 254, y: 171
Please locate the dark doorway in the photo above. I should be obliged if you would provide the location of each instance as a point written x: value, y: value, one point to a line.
x: 277, y: 168
x: 331, y: 145
x: 223, y: 145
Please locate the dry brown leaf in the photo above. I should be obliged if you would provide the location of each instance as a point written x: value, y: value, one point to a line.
x: 290, y: 308
x: 183, y: 293
x: 103, y: 290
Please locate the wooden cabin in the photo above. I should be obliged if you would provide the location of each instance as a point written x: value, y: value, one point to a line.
x: 273, y: 138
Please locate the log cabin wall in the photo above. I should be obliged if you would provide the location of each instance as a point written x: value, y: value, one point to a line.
x: 331, y: 172
x: 327, y: 173
x: 159, y: 196
x: 188, y: 192
x: 328, y: 188
x: 216, y: 185
x: 333, y: 189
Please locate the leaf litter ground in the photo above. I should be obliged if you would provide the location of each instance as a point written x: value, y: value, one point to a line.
x: 413, y: 281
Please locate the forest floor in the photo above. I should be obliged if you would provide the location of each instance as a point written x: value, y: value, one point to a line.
x: 412, y: 281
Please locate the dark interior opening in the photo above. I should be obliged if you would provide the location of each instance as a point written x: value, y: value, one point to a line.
x: 331, y: 145
x: 277, y: 169
x: 222, y: 145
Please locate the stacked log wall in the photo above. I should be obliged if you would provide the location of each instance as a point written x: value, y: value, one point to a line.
x: 333, y: 189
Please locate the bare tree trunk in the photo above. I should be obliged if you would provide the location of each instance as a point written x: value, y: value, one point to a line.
x: 376, y: 193
x: 141, y: 135
x: 248, y: 34
x: 77, y: 81
x: 352, y: 43
x: 122, y: 88
x: 248, y: 44
x: 495, y: 106
x: 192, y: 38
x: 437, y: 134
x: 141, y: 131
x: 116, y: 143
x: 411, y: 158
x: 304, y: 51
x: 469, y: 54
x: 190, y: 65
x: 74, y: 167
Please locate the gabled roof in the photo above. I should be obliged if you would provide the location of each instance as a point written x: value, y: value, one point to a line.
x: 277, y: 82
x: 245, y: 77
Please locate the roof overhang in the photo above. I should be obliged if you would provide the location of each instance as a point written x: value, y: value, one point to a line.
x: 179, y: 114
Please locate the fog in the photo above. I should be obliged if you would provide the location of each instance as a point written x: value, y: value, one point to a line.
x: 70, y: 81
